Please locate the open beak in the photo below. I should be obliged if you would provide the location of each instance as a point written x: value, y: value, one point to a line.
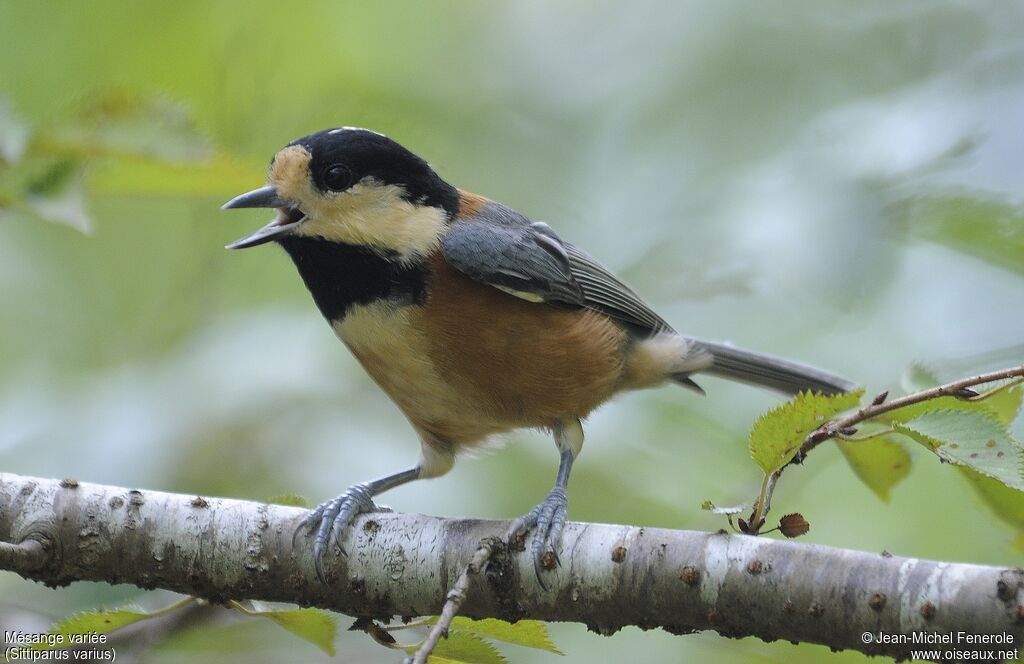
x: 288, y: 217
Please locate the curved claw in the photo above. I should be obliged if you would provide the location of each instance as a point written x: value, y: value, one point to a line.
x: 547, y: 520
x: 333, y: 518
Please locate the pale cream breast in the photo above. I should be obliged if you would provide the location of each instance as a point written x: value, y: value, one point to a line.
x: 387, y: 340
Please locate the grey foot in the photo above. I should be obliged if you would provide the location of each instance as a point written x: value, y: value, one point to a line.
x: 330, y: 520
x: 547, y: 520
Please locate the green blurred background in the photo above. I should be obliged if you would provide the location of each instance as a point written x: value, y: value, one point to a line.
x: 830, y: 181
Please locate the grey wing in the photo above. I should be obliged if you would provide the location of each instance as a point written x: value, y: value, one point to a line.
x: 605, y: 292
x: 519, y: 258
x: 504, y: 249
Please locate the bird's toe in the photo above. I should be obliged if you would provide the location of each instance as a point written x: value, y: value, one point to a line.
x: 330, y: 520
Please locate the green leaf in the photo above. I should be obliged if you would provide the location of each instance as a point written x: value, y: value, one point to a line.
x: 881, y: 463
x: 1005, y: 404
x: 314, y: 625
x: 529, y: 633
x: 973, y: 439
x: 1007, y: 503
x: 289, y: 499
x: 978, y: 224
x: 70, y: 630
x: 778, y: 434
x: 462, y: 648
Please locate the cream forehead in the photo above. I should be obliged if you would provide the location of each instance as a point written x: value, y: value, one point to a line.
x: 290, y: 169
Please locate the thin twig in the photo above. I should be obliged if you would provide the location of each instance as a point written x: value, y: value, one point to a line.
x: 947, y: 390
x: 832, y: 428
x: 996, y: 390
x: 453, y: 602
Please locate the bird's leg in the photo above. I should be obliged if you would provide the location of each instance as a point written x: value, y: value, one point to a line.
x: 548, y: 518
x: 336, y: 515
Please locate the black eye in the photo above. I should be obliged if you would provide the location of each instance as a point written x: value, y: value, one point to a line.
x: 337, y: 177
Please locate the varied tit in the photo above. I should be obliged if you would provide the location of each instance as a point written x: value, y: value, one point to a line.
x: 474, y: 319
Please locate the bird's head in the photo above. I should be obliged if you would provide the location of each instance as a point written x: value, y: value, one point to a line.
x: 352, y: 186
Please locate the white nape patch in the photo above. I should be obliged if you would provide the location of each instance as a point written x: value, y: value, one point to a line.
x: 341, y: 129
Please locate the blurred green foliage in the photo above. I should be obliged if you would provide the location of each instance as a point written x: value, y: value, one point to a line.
x: 833, y: 182
x: 984, y: 226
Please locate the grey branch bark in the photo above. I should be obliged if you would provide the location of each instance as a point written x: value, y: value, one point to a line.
x: 610, y: 576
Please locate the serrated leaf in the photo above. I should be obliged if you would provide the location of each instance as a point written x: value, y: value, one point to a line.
x: 462, y: 648
x: 89, y: 622
x: 709, y: 506
x: 1006, y: 503
x: 881, y: 463
x: 973, y: 439
x: 314, y: 625
x: 288, y: 499
x: 778, y: 434
x: 529, y: 633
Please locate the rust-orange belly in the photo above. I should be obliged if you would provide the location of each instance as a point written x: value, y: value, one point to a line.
x: 472, y: 361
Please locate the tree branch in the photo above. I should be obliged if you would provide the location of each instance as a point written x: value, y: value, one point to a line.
x: 403, y: 565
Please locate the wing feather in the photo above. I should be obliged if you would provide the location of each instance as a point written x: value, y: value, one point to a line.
x: 514, y: 257
x: 607, y: 293
x: 504, y: 249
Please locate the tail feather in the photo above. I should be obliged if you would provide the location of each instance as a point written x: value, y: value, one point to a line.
x: 771, y: 372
